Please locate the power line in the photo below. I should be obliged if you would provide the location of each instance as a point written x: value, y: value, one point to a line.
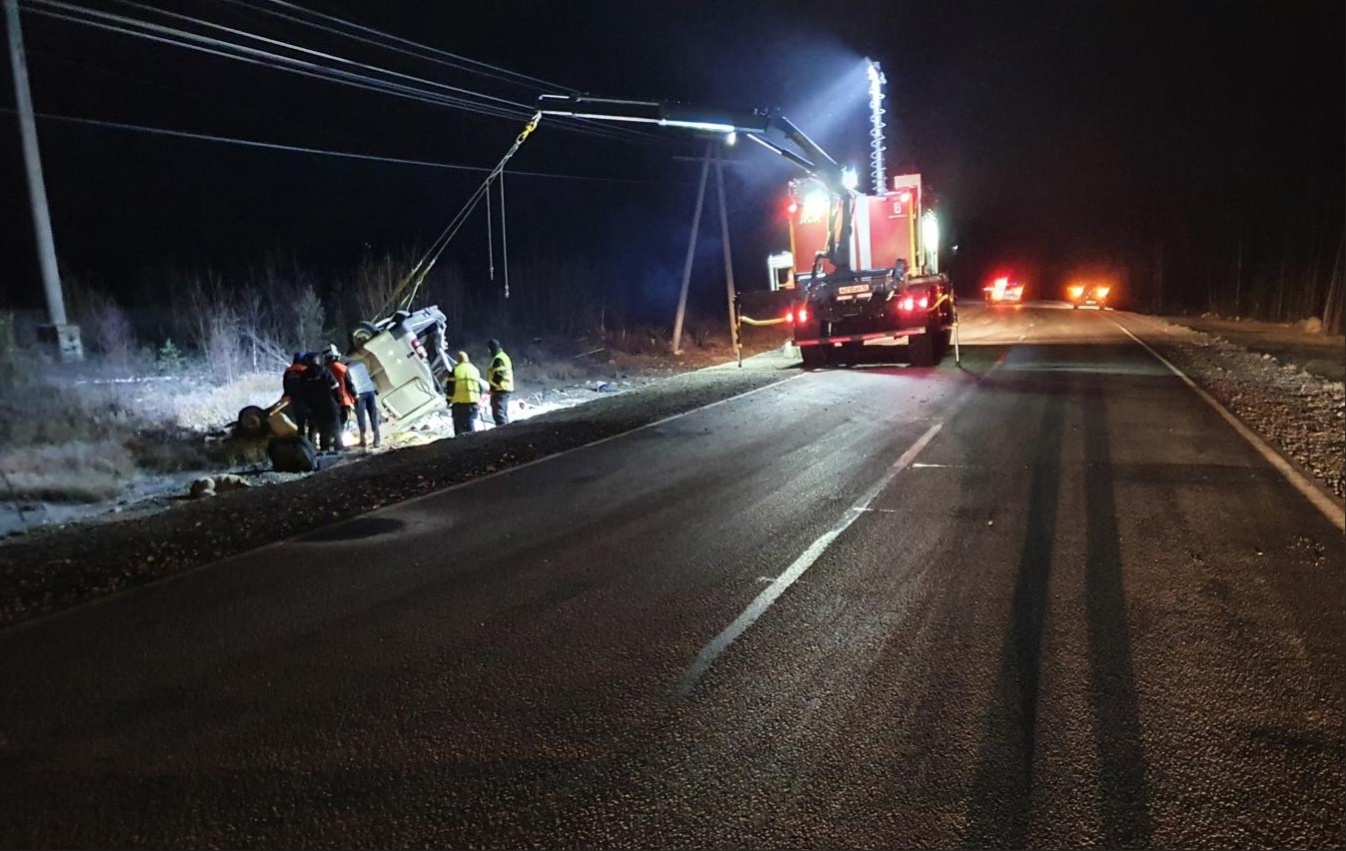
x: 242, y: 53
x: 218, y: 47
x: 276, y: 146
x: 431, y: 54
x: 321, y: 55
x: 391, y: 42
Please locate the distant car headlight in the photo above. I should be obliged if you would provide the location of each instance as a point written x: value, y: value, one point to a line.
x: 1075, y: 291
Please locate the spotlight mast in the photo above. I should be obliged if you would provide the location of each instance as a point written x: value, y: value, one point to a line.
x: 876, y: 112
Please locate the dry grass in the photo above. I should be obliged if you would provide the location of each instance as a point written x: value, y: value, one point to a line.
x: 203, y: 406
x: 78, y: 471
x: 82, y: 434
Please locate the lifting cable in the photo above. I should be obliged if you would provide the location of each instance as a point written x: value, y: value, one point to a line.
x: 418, y: 273
x: 490, y: 240
x: 504, y: 243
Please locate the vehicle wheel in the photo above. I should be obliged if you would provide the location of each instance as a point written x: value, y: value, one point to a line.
x: 813, y: 356
x: 921, y: 349
x: 363, y: 333
x: 252, y: 422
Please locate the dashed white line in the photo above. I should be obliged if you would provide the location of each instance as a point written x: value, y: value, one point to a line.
x: 769, y: 595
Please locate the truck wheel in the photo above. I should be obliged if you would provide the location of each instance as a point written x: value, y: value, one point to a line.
x: 921, y: 349
x: 252, y: 422
x: 363, y: 333
x: 813, y: 356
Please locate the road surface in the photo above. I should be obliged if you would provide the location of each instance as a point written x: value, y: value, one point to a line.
x: 1049, y: 599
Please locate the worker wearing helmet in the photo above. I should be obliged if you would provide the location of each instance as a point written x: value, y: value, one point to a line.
x: 500, y: 376
x: 345, y: 392
x: 465, y: 395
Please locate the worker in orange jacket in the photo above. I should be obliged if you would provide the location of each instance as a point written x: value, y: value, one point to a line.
x: 345, y: 393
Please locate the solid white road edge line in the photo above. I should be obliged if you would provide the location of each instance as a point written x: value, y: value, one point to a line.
x: 778, y: 586
x: 1320, y: 500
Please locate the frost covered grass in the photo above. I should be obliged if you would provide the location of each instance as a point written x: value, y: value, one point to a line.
x: 84, y: 434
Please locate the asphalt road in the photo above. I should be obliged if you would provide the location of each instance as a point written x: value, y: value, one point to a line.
x: 1048, y: 599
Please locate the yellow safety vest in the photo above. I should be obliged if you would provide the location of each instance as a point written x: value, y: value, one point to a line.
x: 466, y: 385
x: 501, y: 373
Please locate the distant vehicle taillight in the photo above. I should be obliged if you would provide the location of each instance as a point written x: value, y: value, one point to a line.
x: 924, y: 302
x: 802, y: 315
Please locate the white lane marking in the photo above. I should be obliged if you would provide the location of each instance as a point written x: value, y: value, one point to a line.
x: 1320, y: 500
x: 763, y: 601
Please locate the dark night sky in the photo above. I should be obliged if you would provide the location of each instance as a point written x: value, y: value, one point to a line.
x: 1054, y: 133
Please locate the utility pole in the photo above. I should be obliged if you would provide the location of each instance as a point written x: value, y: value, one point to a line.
x: 65, y: 336
x: 691, y: 254
x: 728, y: 261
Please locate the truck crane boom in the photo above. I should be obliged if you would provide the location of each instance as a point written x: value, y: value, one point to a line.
x: 755, y: 125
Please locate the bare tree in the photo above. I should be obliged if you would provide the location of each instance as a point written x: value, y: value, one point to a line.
x: 310, y: 319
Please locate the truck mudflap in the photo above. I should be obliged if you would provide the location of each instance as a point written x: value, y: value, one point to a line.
x: 860, y: 338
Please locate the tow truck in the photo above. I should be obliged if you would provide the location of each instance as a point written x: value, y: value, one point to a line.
x: 894, y: 296
x: 891, y: 296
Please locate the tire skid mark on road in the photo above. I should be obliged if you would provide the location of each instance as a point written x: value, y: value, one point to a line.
x: 772, y: 592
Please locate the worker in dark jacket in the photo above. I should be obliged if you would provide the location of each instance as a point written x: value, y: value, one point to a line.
x: 500, y: 376
x: 290, y: 382
x: 465, y: 395
x: 366, y: 399
x: 318, y: 390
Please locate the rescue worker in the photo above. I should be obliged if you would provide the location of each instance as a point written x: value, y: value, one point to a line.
x: 500, y: 376
x: 318, y: 390
x: 465, y: 395
x: 366, y: 399
x: 290, y: 384
x: 345, y: 394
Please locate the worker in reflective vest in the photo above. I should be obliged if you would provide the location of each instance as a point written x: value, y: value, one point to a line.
x: 500, y: 375
x: 465, y: 396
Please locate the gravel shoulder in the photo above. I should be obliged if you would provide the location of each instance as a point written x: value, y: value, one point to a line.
x: 54, y: 569
x: 1318, y: 354
x: 1300, y: 413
